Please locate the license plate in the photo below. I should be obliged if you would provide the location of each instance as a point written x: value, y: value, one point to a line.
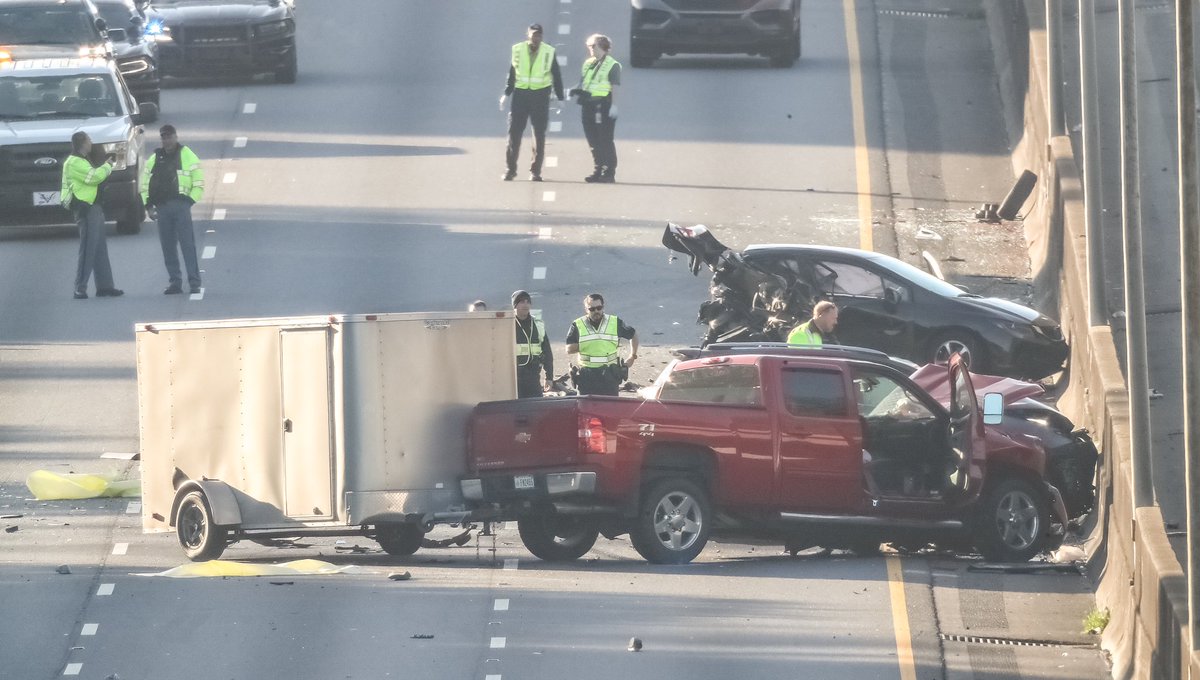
x: 523, y: 482
x: 44, y: 198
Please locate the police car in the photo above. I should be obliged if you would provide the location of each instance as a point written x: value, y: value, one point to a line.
x: 42, y: 103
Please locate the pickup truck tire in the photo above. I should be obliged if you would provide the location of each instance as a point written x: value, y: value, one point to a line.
x: 399, y: 538
x: 556, y: 538
x: 200, y: 538
x: 1012, y: 522
x: 673, y: 522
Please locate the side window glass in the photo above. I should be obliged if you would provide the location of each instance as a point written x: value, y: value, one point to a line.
x: 813, y: 392
x: 848, y: 279
x: 881, y: 397
x: 721, y: 384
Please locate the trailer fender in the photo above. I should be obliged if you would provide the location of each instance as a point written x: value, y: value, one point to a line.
x: 221, y: 502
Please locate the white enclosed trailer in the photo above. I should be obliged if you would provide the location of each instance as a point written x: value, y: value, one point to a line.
x: 342, y: 424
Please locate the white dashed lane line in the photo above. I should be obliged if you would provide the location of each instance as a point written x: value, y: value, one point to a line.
x: 564, y: 29
x: 510, y: 563
x: 197, y: 296
x: 562, y: 60
x: 239, y: 142
x: 545, y: 232
x: 229, y: 178
x: 551, y: 161
x: 73, y: 669
x: 549, y: 196
x: 209, y: 253
x: 89, y: 629
x: 539, y: 273
x: 501, y: 605
x: 105, y: 589
x: 491, y: 677
x: 250, y: 107
x: 499, y: 642
x: 134, y: 508
x: 556, y: 126
x: 218, y: 214
x: 118, y: 455
x: 120, y: 548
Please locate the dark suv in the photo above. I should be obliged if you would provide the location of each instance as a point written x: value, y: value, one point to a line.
x: 37, y: 29
x: 758, y: 27
x: 224, y: 37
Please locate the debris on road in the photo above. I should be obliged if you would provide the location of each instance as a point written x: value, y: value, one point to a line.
x: 50, y: 486
x: 635, y: 644
x: 11, y: 529
x: 283, y: 583
x: 225, y: 568
x: 422, y: 636
x: 1024, y: 568
x: 16, y: 516
x: 63, y: 569
x: 400, y: 576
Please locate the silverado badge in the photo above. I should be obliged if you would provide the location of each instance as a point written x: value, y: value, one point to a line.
x: 523, y: 437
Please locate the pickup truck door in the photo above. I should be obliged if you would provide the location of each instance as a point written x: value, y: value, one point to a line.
x: 818, y: 441
x: 967, y: 439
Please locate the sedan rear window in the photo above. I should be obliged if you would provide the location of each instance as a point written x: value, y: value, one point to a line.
x: 721, y: 384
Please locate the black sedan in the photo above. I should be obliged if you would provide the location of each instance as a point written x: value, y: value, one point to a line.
x: 885, y: 304
x: 225, y: 37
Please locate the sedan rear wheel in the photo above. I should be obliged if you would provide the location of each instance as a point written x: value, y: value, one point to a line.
x: 961, y: 343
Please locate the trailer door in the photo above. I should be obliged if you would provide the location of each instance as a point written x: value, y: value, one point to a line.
x: 307, y: 441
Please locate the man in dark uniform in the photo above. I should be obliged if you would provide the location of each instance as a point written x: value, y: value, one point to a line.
x: 532, y: 71
x: 596, y: 338
x: 533, y: 350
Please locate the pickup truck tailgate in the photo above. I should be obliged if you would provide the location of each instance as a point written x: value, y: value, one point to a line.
x: 524, y: 433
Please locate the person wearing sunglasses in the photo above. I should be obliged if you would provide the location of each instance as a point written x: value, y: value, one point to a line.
x: 601, y: 74
x: 596, y: 338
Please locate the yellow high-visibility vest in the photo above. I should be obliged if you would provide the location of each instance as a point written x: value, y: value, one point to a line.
x: 598, y: 347
x: 533, y: 72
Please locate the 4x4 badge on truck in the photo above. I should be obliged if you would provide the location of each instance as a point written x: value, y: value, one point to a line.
x: 45, y: 162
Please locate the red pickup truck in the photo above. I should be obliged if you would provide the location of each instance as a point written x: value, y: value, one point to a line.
x: 834, y: 447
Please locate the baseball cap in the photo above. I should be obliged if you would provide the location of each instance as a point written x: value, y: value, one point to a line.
x: 536, y: 28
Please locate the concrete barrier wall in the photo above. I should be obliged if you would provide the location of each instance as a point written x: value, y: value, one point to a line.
x: 1135, y: 570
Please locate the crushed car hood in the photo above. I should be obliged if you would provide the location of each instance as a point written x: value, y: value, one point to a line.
x: 935, y: 379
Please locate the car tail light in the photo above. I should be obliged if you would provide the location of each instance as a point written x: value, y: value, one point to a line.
x: 592, y: 438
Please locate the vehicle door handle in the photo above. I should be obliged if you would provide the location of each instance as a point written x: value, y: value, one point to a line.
x: 287, y: 424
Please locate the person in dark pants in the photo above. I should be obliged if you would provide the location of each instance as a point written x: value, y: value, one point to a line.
x: 172, y: 183
x: 531, y: 74
x: 596, y: 337
x: 81, y: 180
x: 533, y: 350
x: 601, y: 74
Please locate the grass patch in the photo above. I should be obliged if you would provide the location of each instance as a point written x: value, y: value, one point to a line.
x: 1095, y: 621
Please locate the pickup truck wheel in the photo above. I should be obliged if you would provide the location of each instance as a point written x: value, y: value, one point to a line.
x: 673, y: 523
x: 556, y: 538
x: 399, y: 538
x: 1012, y: 522
x: 200, y: 538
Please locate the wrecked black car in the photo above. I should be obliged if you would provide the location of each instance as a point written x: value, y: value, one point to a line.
x: 763, y: 292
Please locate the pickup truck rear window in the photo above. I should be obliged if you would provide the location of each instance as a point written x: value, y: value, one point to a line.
x: 736, y: 384
x: 814, y: 393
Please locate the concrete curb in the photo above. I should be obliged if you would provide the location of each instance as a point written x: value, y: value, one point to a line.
x: 1140, y: 581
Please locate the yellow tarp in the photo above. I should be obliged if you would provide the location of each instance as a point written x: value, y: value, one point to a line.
x: 225, y: 568
x: 49, y: 486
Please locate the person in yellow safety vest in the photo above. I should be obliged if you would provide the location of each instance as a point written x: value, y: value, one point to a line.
x: 600, y: 76
x: 172, y: 182
x: 531, y: 73
x: 81, y: 180
x: 818, y: 330
x: 596, y: 338
x: 533, y: 350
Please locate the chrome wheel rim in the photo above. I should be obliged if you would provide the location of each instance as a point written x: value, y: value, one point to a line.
x: 192, y: 525
x: 1017, y: 520
x: 678, y: 521
x: 948, y: 349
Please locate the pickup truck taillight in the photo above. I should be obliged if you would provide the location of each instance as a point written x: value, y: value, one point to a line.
x: 591, y: 435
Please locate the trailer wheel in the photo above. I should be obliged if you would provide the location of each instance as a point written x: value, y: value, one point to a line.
x: 555, y: 538
x: 399, y: 538
x: 200, y: 538
x: 673, y: 523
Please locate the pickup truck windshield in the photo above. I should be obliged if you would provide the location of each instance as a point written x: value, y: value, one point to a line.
x: 720, y: 384
x: 70, y: 96
x: 40, y: 25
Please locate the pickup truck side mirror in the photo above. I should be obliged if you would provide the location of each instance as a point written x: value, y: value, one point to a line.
x: 147, y: 113
x: 993, y: 408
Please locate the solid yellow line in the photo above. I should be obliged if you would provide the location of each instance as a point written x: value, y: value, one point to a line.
x: 904, y: 652
x: 862, y: 161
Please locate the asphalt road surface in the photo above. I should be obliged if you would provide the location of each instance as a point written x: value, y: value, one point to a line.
x: 373, y: 185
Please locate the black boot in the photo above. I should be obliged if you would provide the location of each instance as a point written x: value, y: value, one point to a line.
x: 596, y: 175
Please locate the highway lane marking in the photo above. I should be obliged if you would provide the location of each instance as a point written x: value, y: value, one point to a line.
x: 510, y: 563
x: 134, y: 507
x: 501, y: 605
x: 862, y: 159
x: 904, y: 650
x: 545, y: 232
x: 562, y: 60
x: 239, y: 142
x: 539, y: 273
x: 120, y: 548
x: 249, y: 108
x: 499, y: 642
x: 564, y: 29
x: 119, y: 455
x: 89, y: 629
x: 105, y: 589
x: 491, y: 677
x: 551, y: 161
x: 549, y: 196
x: 73, y: 669
x: 229, y: 178
x: 209, y: 253
x: 219, y: 214
x: 197, y: 296
x: 556, y: 126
